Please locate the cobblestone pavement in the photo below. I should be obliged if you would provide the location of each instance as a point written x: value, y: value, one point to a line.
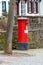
x: 21, y: 59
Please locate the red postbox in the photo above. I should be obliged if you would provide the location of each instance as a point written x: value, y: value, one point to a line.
x: 22, y: 33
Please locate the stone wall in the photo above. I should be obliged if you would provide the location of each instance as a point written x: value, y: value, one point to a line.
x: 36, y: 32
x: 35, y: 28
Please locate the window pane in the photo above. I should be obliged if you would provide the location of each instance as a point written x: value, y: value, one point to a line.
x: 4, y: 6
x: 23, y: 8
x: 27, y: 6
x: 36, y: 7
x: 33, y: 7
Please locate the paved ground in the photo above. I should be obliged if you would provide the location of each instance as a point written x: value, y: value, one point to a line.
x: 29, y: 57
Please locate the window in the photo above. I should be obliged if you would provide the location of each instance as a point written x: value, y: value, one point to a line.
x: 4, y: 6
x: 23, y: 7
x: 32, y: 6
x: 29, y: 7
x: 36, y: 7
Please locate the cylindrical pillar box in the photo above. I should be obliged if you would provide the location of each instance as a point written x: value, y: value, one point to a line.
x: 22, y: 33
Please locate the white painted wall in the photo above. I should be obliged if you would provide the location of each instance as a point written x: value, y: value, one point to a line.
x: 41, y: 7
x: 1, y: 6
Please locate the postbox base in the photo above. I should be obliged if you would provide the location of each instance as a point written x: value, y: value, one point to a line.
x: 23, y: 46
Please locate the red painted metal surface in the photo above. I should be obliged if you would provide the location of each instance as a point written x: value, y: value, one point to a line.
x: 22, y: 30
